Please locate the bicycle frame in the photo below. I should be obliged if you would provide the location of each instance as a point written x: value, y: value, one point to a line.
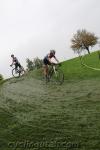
x: 53, y: 69
x: 17, y: 70
x: 55, y: 74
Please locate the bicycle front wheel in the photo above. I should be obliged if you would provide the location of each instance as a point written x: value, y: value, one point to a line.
x: 58, y: 77
x: 15, y: 73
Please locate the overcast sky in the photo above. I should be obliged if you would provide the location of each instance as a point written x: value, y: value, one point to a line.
x: 30, y: 28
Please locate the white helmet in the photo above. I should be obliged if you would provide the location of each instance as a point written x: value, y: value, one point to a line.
x: 52, y: 51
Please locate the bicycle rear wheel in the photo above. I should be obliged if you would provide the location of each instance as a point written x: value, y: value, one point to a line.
x: 21, y: 71
x: 58, y: 77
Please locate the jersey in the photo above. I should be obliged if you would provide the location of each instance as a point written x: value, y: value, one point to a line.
x: 49, y: 56
x: 15, y: 60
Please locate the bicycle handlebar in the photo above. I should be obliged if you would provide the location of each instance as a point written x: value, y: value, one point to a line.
x: 11, y: 66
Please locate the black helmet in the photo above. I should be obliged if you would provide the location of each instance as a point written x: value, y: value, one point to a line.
x: 12, y: 55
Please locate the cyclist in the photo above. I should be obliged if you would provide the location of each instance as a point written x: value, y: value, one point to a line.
x: 47, y: 61
x: 15, y: 62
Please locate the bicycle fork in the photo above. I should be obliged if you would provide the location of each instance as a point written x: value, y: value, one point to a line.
x: 55, y: 71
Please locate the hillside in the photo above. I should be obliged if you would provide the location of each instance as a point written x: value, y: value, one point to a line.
x: 74, y: 70
x: 35, y: 115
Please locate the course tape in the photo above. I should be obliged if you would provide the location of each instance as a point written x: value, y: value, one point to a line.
x: 84, y: 64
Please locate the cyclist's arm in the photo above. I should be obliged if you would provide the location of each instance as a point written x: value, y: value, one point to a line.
x: 49, y: 59
x: 56, y: 59
x: 12, y: 64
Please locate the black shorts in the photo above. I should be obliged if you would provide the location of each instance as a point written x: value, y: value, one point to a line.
x: 17, y: 65
x: 46, y: 61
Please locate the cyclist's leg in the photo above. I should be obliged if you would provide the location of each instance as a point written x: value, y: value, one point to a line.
x: 21, y: 70
x: 45, y: 69
x: 45, y: 61
x: 20, y: 67
x: 16, y: 67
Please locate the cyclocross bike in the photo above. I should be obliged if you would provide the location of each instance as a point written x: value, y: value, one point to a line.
x: 55, y: 74
x: 17, y: 72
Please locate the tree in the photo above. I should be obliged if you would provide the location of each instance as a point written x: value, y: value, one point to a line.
x: 1, y: 77
x: 83, y: 40
x: 38, y: 63
x: 30, y: 65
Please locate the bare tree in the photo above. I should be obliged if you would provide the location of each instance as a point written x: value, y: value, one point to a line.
x: 83, y: 40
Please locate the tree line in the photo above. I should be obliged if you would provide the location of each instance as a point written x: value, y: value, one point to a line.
x: 36, y: 63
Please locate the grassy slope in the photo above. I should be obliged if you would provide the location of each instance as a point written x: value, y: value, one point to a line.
x: 33, y: 111
x: 73, y: 70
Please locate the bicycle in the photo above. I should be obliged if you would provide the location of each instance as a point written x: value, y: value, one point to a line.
x: 55, y: 74
x: 17, y: 72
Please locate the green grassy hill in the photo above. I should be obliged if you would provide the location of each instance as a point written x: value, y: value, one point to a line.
x: 74, y: 70
x: 35, y: 115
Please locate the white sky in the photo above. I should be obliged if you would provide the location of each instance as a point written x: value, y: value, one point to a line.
x: 30, y: 28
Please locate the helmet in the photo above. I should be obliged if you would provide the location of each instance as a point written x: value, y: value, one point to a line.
x: 12, y: 55
x: 52, y: 51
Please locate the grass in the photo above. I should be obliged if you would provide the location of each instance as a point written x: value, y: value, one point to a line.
x: 74, y: 70
x: 51, y: 117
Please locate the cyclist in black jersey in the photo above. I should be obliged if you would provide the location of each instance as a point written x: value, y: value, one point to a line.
x: 15, y: 62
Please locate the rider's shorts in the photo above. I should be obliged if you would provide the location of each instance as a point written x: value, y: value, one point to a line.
x: 17, y: 65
